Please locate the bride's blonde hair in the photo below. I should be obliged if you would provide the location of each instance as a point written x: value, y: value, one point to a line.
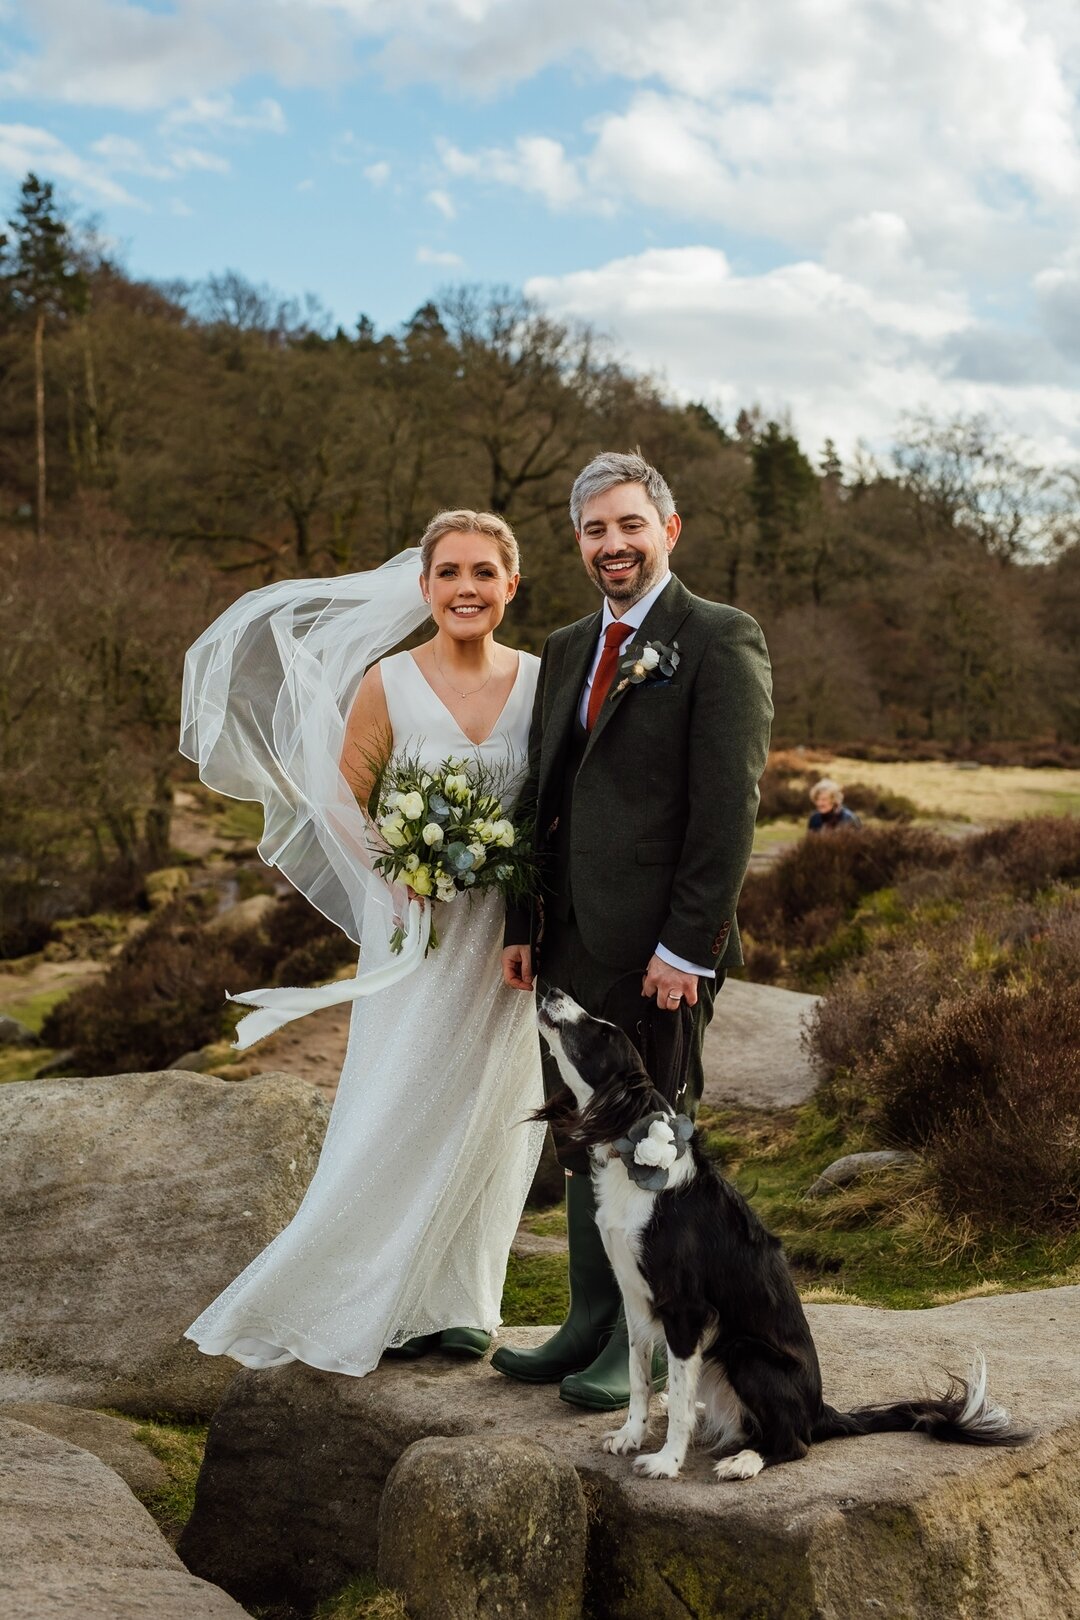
x: 466, y: 521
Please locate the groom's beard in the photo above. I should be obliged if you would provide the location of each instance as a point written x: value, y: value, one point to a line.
x: 637, y: 582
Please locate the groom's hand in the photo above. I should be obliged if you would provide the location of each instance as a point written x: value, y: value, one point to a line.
x: 517, y: 967
x: 668, y: 984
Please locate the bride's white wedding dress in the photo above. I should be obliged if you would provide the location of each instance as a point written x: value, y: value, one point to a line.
x: 407, y: 1224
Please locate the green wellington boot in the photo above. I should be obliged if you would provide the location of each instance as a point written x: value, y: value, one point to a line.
x: 412, y: 1349
x: 605, y: 1386
x: 594, y: 1301
x: 465, y: 1341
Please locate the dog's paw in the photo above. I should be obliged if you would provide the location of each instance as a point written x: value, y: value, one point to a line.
x: 744, y: 1465
x: 628, y: 1438
x: 657, y: 1465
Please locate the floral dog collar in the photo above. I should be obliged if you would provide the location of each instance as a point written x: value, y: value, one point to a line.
x: 652, y: 1146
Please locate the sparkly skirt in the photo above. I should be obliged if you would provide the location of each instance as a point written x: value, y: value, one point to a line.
x: 407, y: 1224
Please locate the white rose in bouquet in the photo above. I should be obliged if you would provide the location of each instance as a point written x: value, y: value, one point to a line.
x: 503, y: 833
x: 412, y: 806
x: 432, y: 835
x: 479, y: 855
x: 456, y: 787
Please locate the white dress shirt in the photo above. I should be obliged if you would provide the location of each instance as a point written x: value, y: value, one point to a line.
x: 633, y: 619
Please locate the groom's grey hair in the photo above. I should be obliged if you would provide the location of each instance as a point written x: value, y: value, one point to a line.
x: 609, y: 469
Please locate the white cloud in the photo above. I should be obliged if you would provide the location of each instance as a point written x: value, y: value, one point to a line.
x: 24, y: 147
x: 448, y: 261
x: 535, y: 164
x: 842, y: 357
x: 179, y: 208
x: 443, y: 201
x: 219, y: 113
x: 1057, y: 290
x: 184, y: 158
x: 118, y: 54
x: 789, y: 120
x: 122, y: 155
x: 377, y: 173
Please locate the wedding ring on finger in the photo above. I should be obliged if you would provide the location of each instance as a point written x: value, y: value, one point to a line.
x: 674, y: 995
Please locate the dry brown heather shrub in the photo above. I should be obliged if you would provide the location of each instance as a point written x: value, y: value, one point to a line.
x: 1029, y: 855
x: 783, y: 794
x: 958, y: 1058
x: 878, y: 804
x: 869, y: 1002
x: 825, y: 876
x: 165, y: 994
x: 891, y: 995
x: 1011, y: 1156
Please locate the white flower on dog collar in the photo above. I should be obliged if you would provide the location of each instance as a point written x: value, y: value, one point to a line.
x: 652, y: 1146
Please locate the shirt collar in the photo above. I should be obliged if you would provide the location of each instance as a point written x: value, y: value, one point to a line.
x: 634, y: 616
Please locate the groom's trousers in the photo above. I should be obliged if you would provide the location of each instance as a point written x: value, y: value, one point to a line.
x: 670, y: 1043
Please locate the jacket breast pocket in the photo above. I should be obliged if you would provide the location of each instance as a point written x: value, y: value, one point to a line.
x: 658, y: 851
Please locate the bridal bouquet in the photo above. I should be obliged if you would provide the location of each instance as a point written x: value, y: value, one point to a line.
x: 446, y: 833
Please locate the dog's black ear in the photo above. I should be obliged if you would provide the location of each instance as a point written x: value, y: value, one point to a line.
x: 561, y: 1109
x: 612, y: 1109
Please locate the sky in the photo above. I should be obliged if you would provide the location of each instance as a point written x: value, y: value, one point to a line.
x: 839, y: 209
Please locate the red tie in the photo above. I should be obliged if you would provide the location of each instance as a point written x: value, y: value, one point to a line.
x: 614, y: 636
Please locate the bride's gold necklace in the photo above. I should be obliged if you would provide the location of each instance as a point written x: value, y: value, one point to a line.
x: 472, y: 690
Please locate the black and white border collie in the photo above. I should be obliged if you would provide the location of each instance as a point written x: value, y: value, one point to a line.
x: 698, y: 1270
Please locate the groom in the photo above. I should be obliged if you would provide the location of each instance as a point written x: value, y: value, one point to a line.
x: 649, y: 734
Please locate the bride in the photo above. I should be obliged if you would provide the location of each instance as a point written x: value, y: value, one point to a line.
x: 402, y: 1239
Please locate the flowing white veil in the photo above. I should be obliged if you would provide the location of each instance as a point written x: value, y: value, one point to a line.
x: 267, y: 693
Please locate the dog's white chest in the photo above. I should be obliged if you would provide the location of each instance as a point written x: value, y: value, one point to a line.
x: 622, y: 1214
x: 622, y: 1208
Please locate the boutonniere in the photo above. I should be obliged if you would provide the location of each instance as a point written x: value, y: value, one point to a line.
x: 652, y: 1146
x: 654, y: 662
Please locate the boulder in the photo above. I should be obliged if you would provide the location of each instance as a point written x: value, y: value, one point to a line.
x: 297, y: 1460
x: 854, y: 1166
x: 76, y: 1545
x: 246, y: 917
x: 128, y: 1203
x: 754, y: 1054
x: 484, y: 1526
x: 110, y: 1439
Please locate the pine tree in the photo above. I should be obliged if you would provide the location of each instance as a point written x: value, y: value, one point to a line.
x: 40, y: 278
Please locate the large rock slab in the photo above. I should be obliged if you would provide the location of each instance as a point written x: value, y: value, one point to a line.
x: 127, y: 1204
x: 754, y: 1055
x: 76, y: 1545
x: 110, y: 1439
x: 892, y: 1524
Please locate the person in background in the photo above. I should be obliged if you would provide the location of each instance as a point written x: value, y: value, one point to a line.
x: 829, y: 811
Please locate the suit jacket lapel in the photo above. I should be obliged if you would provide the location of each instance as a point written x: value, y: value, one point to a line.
x: 661, y: 623
x: 579, y: 655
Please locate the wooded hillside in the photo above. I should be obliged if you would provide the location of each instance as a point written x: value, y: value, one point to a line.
x: 163, y: 448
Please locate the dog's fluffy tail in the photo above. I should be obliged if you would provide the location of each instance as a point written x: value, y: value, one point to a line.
x: 964, y: 1415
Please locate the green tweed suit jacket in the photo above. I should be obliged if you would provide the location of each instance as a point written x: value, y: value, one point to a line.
x: 666, y: 796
